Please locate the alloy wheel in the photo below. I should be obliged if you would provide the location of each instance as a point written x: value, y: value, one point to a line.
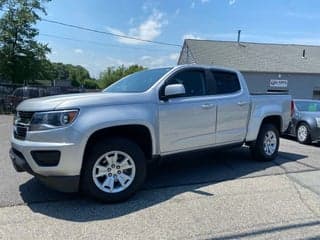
x: 270, y: 143
x: 302, y: 133
x: 113, y: 172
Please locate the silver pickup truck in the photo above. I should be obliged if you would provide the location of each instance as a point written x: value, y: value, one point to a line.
x: 100, y: 143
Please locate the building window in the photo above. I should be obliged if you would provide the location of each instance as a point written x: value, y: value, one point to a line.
x: 316, y: 93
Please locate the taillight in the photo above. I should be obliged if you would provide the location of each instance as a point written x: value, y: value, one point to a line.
x: 292, y: 107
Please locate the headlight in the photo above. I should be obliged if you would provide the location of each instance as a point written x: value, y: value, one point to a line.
x: 51, y: 120
x: 318, y: 122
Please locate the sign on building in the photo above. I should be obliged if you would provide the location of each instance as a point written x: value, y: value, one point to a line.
x: 278, y: 83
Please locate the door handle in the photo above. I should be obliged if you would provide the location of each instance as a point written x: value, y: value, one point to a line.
x: 241, y: 103
x: 207, y: 106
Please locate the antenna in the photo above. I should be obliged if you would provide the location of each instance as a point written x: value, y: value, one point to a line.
x: 239, y: 33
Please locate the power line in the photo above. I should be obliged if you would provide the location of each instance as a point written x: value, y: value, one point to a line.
x: 108, y: 33
x: 105, y: 32
x: 98, y: 43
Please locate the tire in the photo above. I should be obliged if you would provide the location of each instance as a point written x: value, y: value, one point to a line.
x: 101, y: 177
x: 303, y: 134
x: 267, y: 144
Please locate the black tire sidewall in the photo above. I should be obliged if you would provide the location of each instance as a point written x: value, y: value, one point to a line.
x: 133, y: 150
x: 258, y: 150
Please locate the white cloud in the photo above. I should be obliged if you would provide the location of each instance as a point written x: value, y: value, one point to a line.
x: 304, y: 16
x: 193, y: 3
x: 190, y: 36
x: 145, y: 58
x: 231, y: 2
x: 78, y: 51
x: 145, y: 6
x: 147, y: 30
x: 117, y: 62
x: 174, y: 56
x: 149, y: 5
x: 159, y: 61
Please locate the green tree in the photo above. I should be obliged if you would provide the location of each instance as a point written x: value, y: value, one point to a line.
x: 21, y: 56
x: 112, y: 74
x: 91, y: 84
x: 77, y: 75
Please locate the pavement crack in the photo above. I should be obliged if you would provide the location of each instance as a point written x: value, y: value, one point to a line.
x: 294, y: 183
x: 300, y: 195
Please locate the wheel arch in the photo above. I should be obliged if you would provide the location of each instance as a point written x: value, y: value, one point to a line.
x: 138, y: 133
x: 275, y: 120
x: 301, y: 122
x: 307, y: 120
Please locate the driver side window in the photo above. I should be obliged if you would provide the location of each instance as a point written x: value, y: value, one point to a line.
x: 192, y: 80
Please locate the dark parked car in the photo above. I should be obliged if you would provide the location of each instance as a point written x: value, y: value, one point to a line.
x: 23, y: 93
x: 4, y: 91
x: 305, y: 124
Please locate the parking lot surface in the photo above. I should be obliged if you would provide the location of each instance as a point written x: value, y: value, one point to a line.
x: 219, y: 194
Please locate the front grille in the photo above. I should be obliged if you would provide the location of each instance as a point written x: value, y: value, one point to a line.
x: 22, y: 123
x: 20, y: 132
x: 24, y: 117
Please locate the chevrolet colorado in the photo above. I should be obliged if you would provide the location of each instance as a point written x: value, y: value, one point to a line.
x: 100, y: 143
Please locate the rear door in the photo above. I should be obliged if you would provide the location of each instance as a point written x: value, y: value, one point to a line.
x: 233, y: 108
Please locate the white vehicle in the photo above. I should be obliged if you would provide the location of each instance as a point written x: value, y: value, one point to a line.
x: 100, y: 143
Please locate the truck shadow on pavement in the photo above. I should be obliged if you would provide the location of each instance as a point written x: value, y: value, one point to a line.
x: 173, y: 177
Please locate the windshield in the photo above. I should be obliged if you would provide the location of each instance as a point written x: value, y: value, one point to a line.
x: 308, y: 106
x: 138, y: 82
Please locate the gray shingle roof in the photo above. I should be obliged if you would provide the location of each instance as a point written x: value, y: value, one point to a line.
x: 255, y: 57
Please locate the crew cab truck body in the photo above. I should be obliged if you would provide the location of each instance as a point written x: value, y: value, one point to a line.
x: 100, y: 143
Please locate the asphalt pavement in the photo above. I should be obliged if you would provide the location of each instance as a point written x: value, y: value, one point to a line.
x: 217, y: 194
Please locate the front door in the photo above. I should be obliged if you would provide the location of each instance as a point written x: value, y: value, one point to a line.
x: 187, y: 122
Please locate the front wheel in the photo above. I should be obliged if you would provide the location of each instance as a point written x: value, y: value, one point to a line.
x: 267, y: 144
x: 114, y: 170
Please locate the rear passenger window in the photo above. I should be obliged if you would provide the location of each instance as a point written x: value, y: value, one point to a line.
x: 226, y: 82
x: 193, y: 81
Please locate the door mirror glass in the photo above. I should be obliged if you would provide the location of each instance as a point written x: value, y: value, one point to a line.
x: 174, y: 90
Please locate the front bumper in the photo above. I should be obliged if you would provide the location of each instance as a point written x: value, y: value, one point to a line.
x: 60, y: 183
x: 54, y: 156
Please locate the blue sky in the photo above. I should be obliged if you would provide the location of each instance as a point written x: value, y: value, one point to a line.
x: 277, y: 21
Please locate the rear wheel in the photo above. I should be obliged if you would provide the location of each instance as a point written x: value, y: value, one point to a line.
x: 267, y: 144
x: 303, y: 134
x: 114, y: 170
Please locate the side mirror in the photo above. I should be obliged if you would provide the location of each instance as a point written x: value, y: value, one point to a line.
x: 174, y: 90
